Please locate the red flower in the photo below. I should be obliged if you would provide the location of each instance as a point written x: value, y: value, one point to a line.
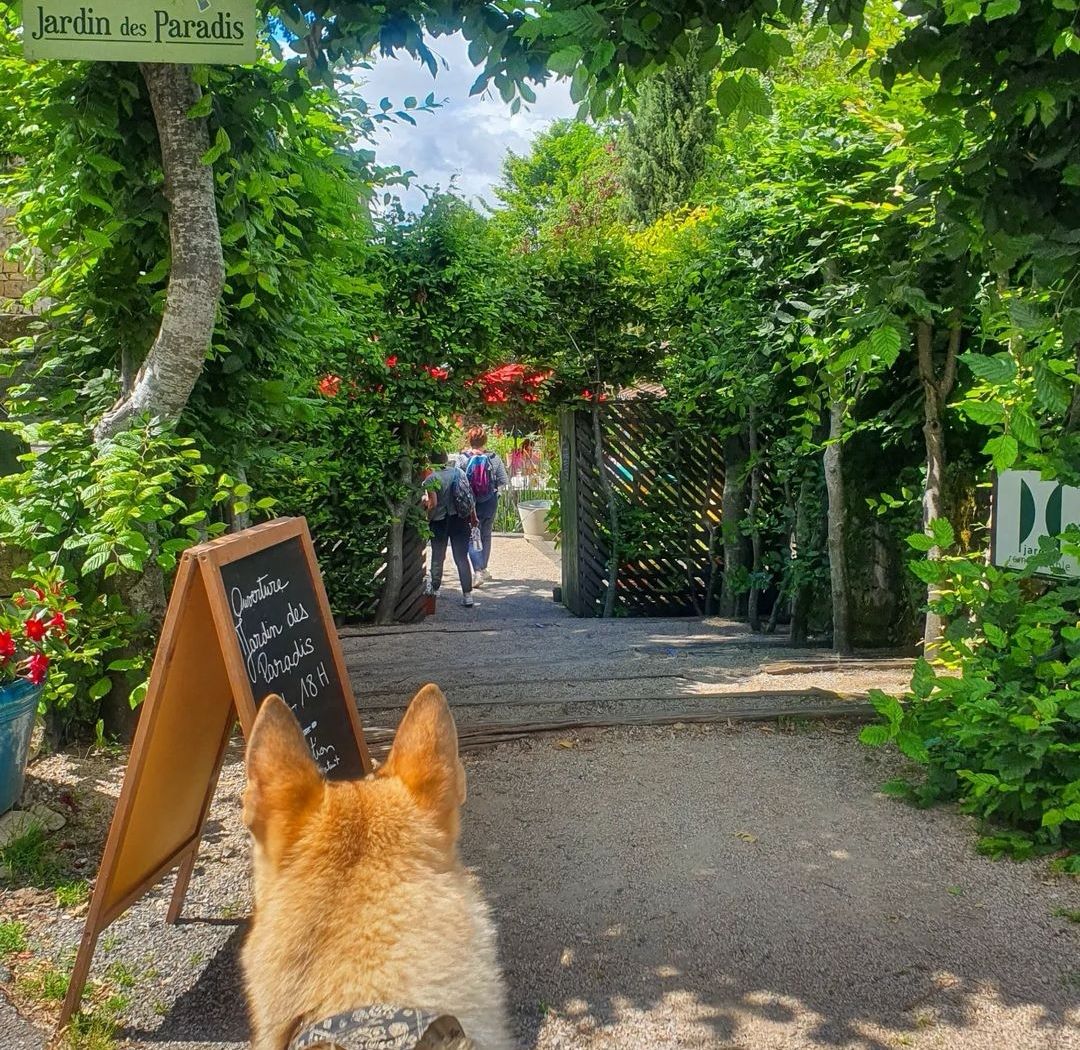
x: 587, y: 394
x: 329, y: 385
x: 38, y: 593
x: 7, y: 646
x: 35, y: 629
x: 58, y: 623
x: 38, y: 665
x: 20, y: 600
x: 391, y: 361
x: 436, y: 372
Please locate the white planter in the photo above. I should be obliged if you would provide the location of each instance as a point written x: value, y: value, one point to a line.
x: 533, y: 514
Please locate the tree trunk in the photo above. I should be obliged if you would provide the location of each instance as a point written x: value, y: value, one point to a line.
x: 800, y: 590
x: 239, y: 519
x: 395, y: 543
x: 936, y: 390
x: 164, y: 382
x: 755, y: 531
x: 834, y: 484
x: 733, y: 511
x: 613, y: 513
x: 162, y: 386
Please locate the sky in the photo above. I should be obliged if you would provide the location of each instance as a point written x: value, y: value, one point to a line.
x: 467, y: 137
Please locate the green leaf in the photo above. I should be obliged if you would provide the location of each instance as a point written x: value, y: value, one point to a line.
x: 753, y: 98
x: 911, y: 744
x: 995, y: 635
x: 565, y: 60
x: 885, y: 343
x: 94, y: 562
x: 221, y: 146
x: 246, y: 301
x: 997, y: 370
x: 99, y: 688
x: 923, y: 679
x: 942, y: 531
x: 875, y: 735
x: 988, y: 413
x: 1000, y: 9
x: 1003, y: 451
x: 201, y: 108
x: 920, y: 541
x: 727, y: 96
x: 1024, y: 427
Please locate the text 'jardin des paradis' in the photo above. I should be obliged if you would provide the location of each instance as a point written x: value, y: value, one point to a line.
x: 209, y: 31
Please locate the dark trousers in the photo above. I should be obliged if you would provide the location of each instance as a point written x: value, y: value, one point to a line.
x: 485, y: 511
x: 455, y: 531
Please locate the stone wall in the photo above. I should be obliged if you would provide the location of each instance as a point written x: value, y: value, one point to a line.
x: 12, y: 282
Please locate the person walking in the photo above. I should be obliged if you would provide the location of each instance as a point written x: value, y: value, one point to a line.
x: 486, y: 474
x: 451, y: 509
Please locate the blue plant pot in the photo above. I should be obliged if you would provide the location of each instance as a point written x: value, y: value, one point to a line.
x: 18, y: 705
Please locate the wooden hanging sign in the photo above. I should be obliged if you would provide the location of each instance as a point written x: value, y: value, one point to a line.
x: 248, y: 617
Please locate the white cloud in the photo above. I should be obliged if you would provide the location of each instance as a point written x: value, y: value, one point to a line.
x: 466, y: 138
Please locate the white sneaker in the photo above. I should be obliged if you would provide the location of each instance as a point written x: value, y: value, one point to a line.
x: 467, y: 600
x: 478, y: 577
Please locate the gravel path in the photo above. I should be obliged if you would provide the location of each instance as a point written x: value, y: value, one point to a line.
x: 668, y: 888
x: 520, y: 588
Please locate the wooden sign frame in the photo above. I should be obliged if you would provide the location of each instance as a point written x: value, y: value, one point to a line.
x: 198, y: 690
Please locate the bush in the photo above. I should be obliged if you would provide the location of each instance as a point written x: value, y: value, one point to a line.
x: 96, y: 517
x: 997, y: 725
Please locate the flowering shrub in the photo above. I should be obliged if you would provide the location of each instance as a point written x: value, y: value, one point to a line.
x: 34, y: 626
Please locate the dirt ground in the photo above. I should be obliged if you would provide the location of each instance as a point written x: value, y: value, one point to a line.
x: 731, y: 888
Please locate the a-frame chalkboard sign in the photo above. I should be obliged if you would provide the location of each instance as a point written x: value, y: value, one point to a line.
x: 248, y: 617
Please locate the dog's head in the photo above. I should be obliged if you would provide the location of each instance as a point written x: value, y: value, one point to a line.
x: 343, y: 869
x: 287, y: 800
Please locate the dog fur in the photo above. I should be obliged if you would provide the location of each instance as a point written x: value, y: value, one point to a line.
x: 360, y: 896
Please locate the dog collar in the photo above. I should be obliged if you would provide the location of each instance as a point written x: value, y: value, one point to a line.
x: 382, y: 1028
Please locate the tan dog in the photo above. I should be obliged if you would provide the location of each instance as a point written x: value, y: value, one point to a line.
x: 360, y: 896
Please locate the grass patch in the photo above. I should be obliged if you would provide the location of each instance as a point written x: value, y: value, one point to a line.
x: 12, y: 938
x: 1072, y: 914
x: 30, y: 857
x: 31, y: 860
x: 44, y: 983
x: 72, y: 894
x: 95, y: 1027
x: 121, y: 974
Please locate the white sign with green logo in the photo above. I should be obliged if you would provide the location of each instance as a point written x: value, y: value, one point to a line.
x: 218, y: 32
x: 1026, y: 508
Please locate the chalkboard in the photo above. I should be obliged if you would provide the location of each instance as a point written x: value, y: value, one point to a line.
x: 248, y: 616
x: 286, y: 648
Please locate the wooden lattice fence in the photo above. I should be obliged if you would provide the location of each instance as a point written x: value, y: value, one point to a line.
x: 666, y: 480
x: 411, y: 605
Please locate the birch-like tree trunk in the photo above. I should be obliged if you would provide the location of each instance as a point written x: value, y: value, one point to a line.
x: 163, y: 384
x: 754, y: 510
x: 838, y: 575
x: 937, y: 386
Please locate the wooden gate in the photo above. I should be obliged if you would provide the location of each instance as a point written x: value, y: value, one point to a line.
x: 665, y: 478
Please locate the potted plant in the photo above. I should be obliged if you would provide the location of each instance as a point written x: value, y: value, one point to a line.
x: 33, y: 630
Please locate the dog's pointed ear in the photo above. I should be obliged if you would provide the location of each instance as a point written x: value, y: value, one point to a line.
x: 283, y: 782
x: 425, y: 758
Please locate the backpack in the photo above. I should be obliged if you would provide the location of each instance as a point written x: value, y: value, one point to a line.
x: 478, y: 471
x: 462, y: 497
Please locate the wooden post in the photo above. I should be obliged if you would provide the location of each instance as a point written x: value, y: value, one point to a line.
x: 569, y: 510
